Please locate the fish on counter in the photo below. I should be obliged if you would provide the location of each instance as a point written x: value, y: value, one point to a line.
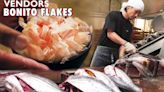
x: 112, y: 79
x: 27, y: 82
x: 147, y: 65
x: 121, y: 79
x: 99, y: 76
x: 89, y: 80
x: 77, y: 83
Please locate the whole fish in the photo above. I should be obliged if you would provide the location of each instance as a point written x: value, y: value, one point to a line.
x: 27, y: 82
x: 121, y: 79
x: 99, y: 76
x: 147, y: 65
x: 88, y: 84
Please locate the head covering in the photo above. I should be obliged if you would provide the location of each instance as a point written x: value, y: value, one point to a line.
x: 138, y: 4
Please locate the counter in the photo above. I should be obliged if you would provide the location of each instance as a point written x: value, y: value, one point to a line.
x: 147, y: 84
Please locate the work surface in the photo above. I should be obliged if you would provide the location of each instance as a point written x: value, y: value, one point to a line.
x: 147, y: 84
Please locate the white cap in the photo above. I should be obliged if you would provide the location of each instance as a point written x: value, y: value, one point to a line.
x: 138, y: 4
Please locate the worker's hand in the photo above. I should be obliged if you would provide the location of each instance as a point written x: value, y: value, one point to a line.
x: 13, y: 61
x: 129, y: 47
x: 12, y: 38
x: 121, y: 52
x: 17, y: 41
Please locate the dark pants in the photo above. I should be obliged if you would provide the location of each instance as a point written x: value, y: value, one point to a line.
x: 104, y: 56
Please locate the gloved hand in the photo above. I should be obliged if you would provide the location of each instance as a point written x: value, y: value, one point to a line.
x: 129, y: 47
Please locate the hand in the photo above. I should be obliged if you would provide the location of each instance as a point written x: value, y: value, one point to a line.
x: 121, y: 52
x: 11, y: 38
x: 129, y: 47
x: 17, y: 41
x: 12, y: 61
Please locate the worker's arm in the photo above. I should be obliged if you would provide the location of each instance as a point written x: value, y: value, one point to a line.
x: 115, y: 37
